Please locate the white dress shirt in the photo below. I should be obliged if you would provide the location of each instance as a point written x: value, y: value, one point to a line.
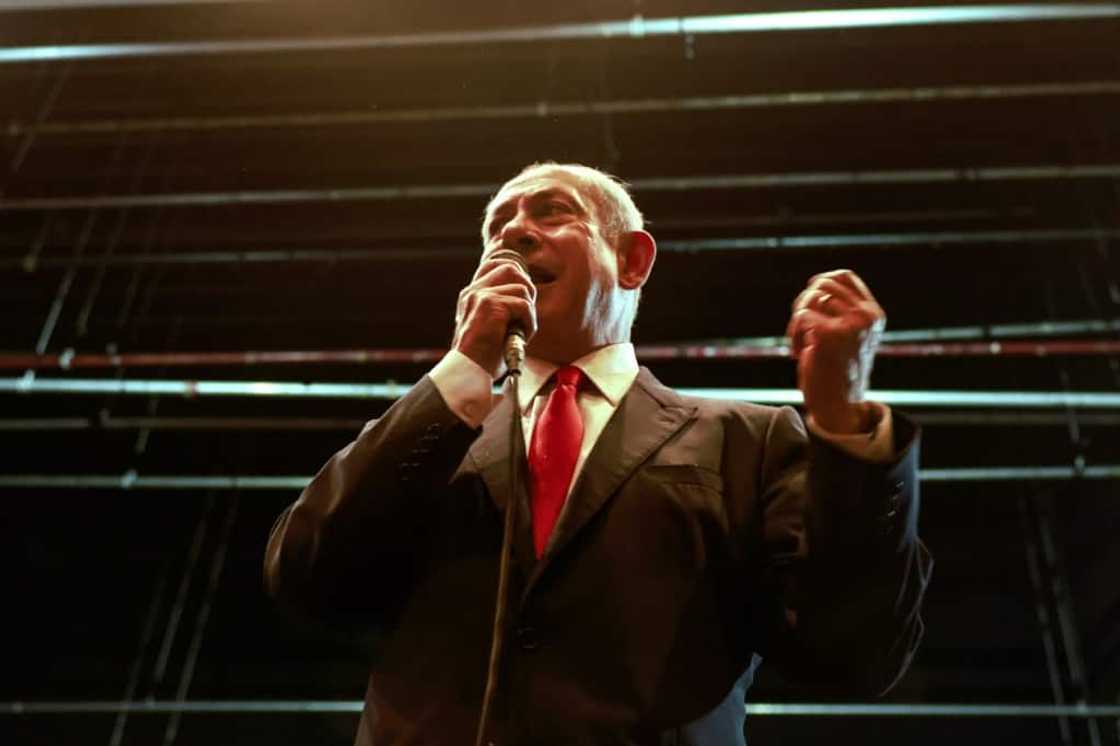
x: 468, y: 391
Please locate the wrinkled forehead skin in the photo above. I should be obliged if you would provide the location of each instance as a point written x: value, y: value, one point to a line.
x: 543, y: 178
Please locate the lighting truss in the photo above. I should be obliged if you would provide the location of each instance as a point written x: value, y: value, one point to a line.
x: 752, y: 708
x: 1038, y: 172
x: 353, y: 424
x: 702, y: 351
x: 30, y: 384
x: 131, y: 480
x: 547, y: 109
x: 636, y: 27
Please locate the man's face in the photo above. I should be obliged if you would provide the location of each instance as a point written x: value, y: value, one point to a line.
x: 547, y: 219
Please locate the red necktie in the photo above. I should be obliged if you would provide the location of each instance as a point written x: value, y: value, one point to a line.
x: 557, y: 438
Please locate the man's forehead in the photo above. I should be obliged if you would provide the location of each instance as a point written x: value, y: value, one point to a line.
x: 559, y: 181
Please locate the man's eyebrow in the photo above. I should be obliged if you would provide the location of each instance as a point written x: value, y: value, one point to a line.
x: 504, y: 208
x: 550, y: 192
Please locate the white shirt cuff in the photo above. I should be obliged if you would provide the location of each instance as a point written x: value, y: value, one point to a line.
x: 876, y: 446
x: 465, y: 386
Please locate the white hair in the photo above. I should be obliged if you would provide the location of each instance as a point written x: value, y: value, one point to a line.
x: 617, y: 213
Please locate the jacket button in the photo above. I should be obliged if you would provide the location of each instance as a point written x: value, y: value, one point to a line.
x: 528, y: 638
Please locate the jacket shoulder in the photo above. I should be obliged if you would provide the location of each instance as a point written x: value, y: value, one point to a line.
x: 728, y: 415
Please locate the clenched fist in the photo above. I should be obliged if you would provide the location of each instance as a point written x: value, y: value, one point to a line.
x: 834, y: 332
x: 500, y: 294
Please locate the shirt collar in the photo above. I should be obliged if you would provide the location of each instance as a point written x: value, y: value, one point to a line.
x: 612, y: 369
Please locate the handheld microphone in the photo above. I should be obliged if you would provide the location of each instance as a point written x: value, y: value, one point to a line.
x: 514, y: 351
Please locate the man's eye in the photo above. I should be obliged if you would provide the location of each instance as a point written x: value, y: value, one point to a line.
x: 554, y: 207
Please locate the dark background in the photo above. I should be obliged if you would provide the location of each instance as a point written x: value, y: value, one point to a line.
x: 139, y: 196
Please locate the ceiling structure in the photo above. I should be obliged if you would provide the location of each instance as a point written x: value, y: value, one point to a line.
x: 192, y: 193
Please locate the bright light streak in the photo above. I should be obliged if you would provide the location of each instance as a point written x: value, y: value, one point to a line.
x: 390, y: 391
x: 635, y: 27
x: 878, y: 17
x: 1013, y: 710
x: 1013, y: 473
x: 997, y: 399
x: 18, y: 5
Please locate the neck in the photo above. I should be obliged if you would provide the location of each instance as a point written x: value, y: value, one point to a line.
x: 568, y: 351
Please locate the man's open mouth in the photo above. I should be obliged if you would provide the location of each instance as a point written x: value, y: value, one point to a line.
x: 541, y: 276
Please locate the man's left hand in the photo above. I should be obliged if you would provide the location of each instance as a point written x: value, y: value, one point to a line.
x: 834, y: 332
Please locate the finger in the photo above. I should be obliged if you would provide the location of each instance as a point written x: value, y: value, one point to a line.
x: 801, y: 300
x: 801, y: 326
x: 805, y: 298
x: 860, y: 308
x: 501, y: 303
x: 512, y: 290
x: 499, y: 274
x: 826, y: 296
x: 850, y: 279
x: 834, y: 299
x: 502, y: 267
x: 523, y: 313
x: 495, y: 297
x: 859, y: 285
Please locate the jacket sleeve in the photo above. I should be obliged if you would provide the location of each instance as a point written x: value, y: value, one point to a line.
x: 354, y: 544
x: 842, y: 557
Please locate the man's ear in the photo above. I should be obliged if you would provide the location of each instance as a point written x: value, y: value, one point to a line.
x: 636, y: 252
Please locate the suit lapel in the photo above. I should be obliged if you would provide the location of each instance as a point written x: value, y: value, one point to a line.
x: 490, y: 454
x: 648, y: 415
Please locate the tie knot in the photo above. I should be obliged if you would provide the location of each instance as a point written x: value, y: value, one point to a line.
x: 569, y: 375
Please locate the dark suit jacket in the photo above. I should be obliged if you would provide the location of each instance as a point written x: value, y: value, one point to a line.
x: 700, y: 535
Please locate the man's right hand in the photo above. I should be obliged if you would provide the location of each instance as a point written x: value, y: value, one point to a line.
x: 499, y: 295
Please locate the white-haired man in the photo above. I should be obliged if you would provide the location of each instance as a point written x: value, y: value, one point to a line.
x: 663, y: 544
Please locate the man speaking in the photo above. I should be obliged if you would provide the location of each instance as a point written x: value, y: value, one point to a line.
x: 662, y: 545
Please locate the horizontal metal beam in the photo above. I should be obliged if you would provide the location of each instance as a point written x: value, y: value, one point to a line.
x: 932, y: 238
x: 993, y: 399
x: 7, y: 6
x: 30, y: 384
x: 70, y: 360
x: 283, y: 424
x: 289, y: 424
x: 992, y: 348
x: 996, y: 331
x: 650, y: 353
x: 1040, y: 172
x: 551, y: 109
x: 1014, y: 419
x: 690, y: 246
x: 1020, y: 473
x: 1041, y: 329
x: 132, y: 480
x: 635, y: 28
x: 799, y: 709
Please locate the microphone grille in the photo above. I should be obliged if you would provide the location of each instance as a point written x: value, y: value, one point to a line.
x: 509, y: 255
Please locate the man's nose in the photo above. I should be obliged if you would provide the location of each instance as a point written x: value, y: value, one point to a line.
x: 519, y: 235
